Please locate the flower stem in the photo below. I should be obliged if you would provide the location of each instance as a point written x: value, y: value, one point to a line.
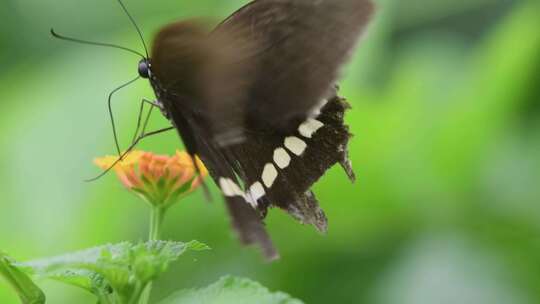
x: 156, y: 218
x: 139, y: 295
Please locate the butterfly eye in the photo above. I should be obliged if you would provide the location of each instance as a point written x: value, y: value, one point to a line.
x: 144, y: 68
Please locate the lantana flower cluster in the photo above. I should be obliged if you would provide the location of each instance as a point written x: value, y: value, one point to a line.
x: 159, y: 179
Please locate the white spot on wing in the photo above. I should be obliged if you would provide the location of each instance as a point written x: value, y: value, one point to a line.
x: 269, y: 175
x: 309, y: 127
x: 229, y: 187
x: 295, y: 145
x: 282, y: 158
x: 255, y: 192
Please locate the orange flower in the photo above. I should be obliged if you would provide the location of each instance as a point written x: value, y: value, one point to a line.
x: 158, y: 179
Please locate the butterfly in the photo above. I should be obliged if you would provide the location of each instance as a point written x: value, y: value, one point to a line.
x: 256, y: 99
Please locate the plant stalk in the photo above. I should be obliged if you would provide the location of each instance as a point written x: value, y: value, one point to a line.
x: 156, y: 219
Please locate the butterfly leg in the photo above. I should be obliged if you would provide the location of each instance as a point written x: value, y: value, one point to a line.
x: 156, y: 103
x: 111, y: 115
x: 130, y: 148
x: 141, y: 111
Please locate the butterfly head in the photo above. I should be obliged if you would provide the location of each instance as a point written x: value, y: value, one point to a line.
x: 144, y: 68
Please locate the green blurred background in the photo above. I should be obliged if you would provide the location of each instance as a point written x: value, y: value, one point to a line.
x: 446, y: 120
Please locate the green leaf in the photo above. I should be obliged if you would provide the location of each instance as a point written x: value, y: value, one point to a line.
x: 197, y: 246
x: 28, y: 292
x: 231, y: 290
x: 119, y: 271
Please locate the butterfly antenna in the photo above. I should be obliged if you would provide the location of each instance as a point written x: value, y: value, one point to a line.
x: 62, y: 37
x: 136, y: 27
x: 111, y: 115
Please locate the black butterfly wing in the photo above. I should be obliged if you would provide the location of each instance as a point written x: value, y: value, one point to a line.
x: 187, y: 75
x: 279, y: 170
x: 277, y: 111
x: 294, y: 129
x: 298, y: 48
x: 268, y: 169
x: 246, y: 220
